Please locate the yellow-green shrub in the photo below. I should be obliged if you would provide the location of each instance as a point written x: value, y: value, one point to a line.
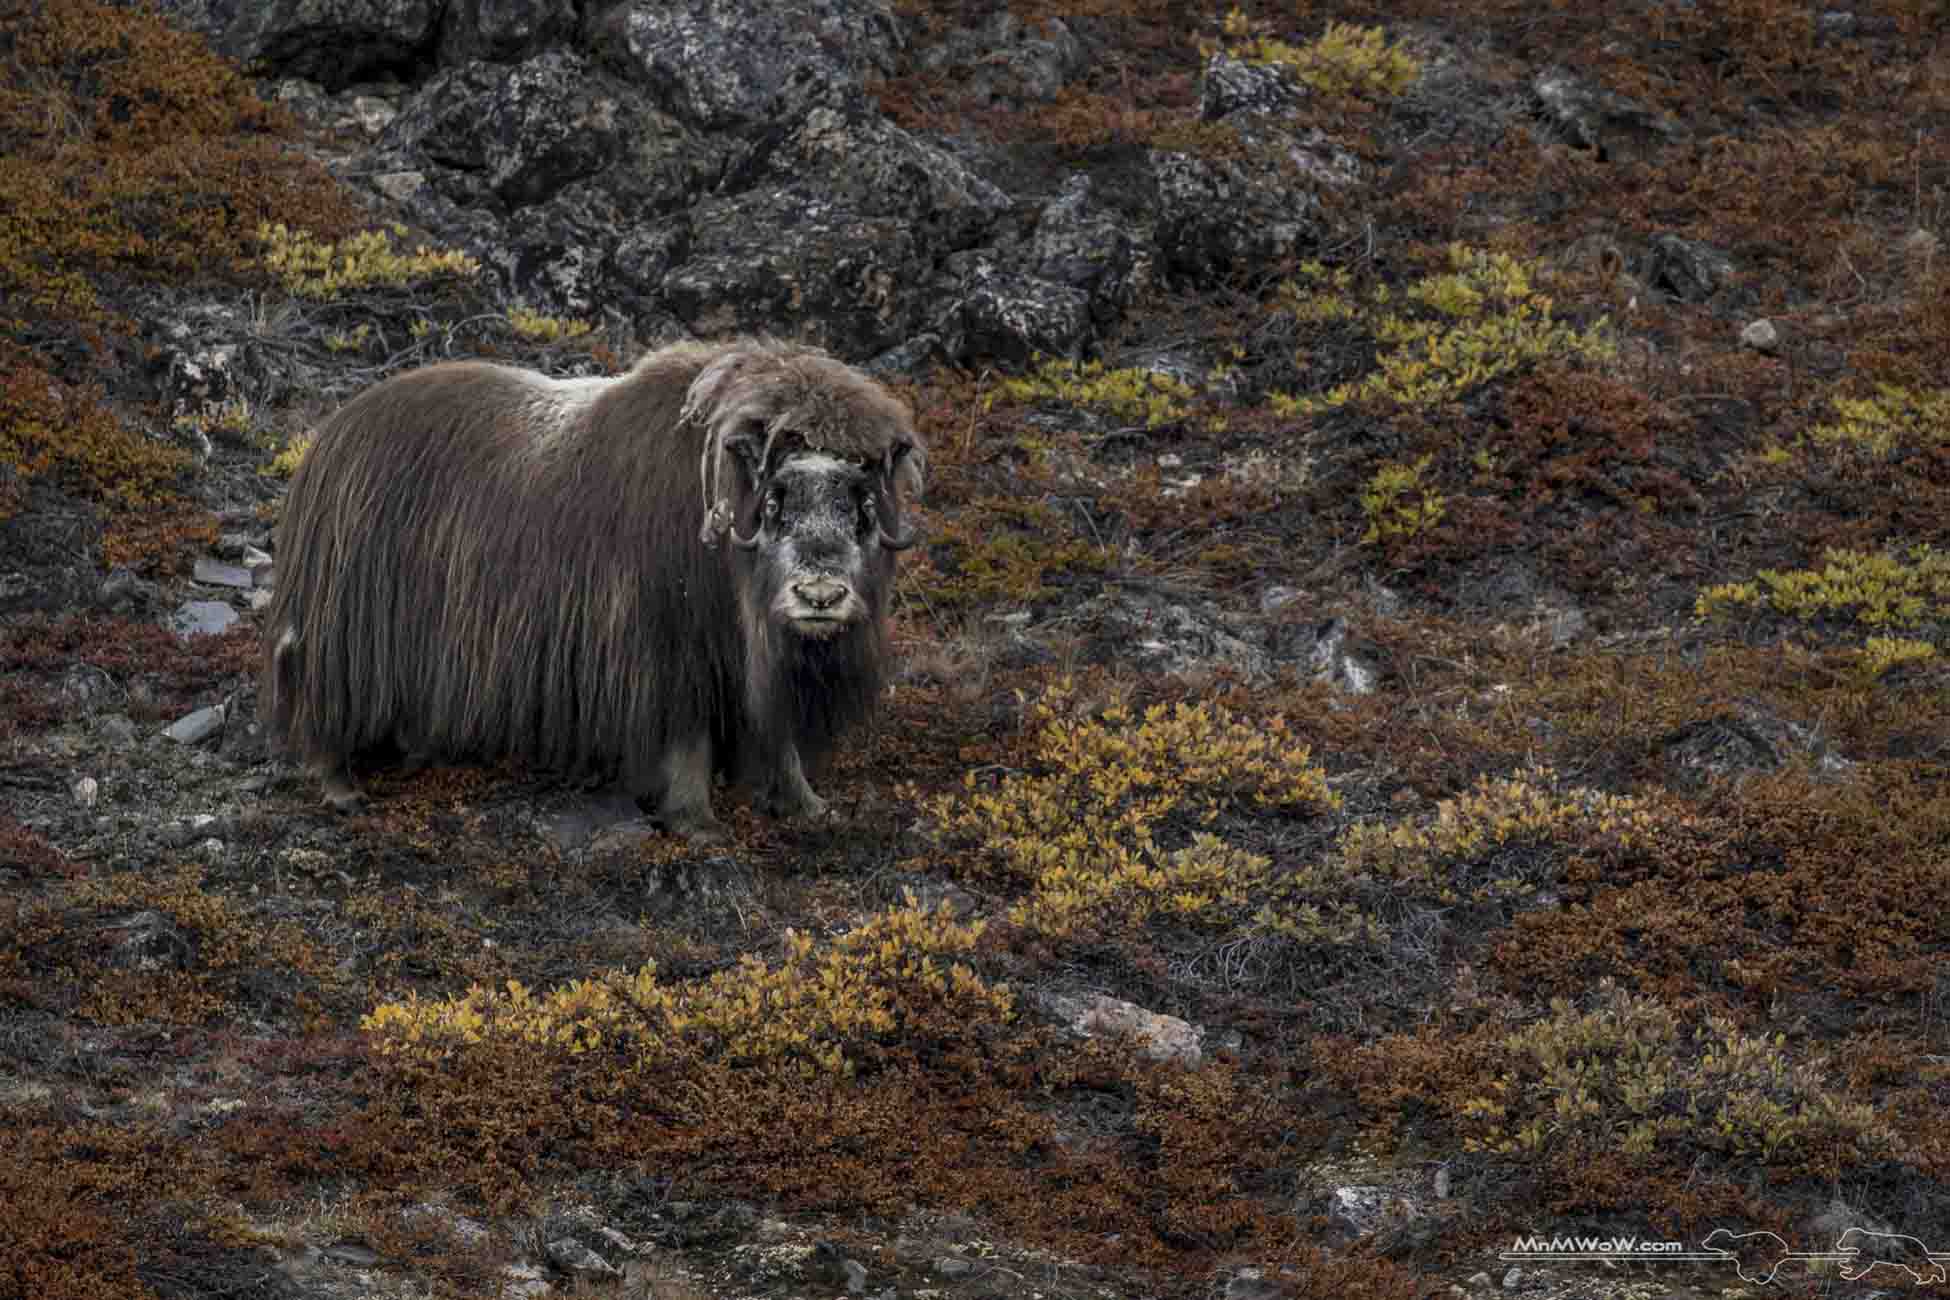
x: 1346, y: 60
x: 1444, y: 334
x: 1894, y: 417
x: 1398, y: 503
x: 819, y: 1010
x: 1877, y: 590
x: 290, y: 456
x: 1132, y: 395
x: 1629, y: 1076
x: 310, y: 267
x: 539, y: 328
x: 1881, y: 653
x: 1109, y: 832
x: 1525, y: 808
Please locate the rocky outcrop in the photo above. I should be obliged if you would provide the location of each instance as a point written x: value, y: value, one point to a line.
x: 1247, y: 191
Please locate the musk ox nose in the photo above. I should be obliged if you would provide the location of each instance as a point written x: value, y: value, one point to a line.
x: 820, y: 593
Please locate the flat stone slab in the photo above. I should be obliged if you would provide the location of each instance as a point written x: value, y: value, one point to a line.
x: 194, y: 727
x: 203, y: 618
x: 216, y: 573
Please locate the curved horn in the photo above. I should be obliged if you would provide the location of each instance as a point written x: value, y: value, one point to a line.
x: 887, y: 539
x: 745, y: 543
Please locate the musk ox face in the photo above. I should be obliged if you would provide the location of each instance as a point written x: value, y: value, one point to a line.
x: 818, y: 537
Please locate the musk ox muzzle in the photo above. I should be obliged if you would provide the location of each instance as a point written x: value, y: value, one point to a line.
x: 680, y: 571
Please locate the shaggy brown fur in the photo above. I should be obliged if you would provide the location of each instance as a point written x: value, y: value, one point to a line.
x: 477, y: 561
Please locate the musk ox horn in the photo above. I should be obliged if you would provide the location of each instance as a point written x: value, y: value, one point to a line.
x: 486, y: 563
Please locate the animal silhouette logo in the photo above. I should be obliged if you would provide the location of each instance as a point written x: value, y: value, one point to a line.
x: 1756, y: 1256
x: 1866, y: 1251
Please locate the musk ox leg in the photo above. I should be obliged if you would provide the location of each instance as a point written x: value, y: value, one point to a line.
x: 341, y: 794
x: 787, y: 793
x: 683, y: 793
x: 415, y: 754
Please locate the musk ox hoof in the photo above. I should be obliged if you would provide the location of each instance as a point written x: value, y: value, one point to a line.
x: 807, y: 807
x: 341, y: 795
x: 345, y: 802
x: 698, y: 828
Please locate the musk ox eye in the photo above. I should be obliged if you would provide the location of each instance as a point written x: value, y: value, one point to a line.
x: 772, y: 506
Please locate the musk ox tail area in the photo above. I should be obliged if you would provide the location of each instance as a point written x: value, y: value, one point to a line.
x: 496, y: 563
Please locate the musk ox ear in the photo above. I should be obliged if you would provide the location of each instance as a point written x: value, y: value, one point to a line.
x: 745, y: 445
x: 907, y: 468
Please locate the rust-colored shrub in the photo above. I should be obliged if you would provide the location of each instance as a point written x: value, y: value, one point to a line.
x: 127, y: 146
x: 51, y: 427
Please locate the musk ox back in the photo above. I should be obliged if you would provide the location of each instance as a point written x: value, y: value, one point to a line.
x: 658, y: 576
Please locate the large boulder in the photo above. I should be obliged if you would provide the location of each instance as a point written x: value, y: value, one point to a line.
x: 1248, y: 191
x: 505, y: 30
x: 726, y: 63
x: 516, y: 135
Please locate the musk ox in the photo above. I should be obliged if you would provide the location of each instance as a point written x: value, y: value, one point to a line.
x: 477, y: 561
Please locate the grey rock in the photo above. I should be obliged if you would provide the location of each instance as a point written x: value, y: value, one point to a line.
x: 1015, y: 318
x: 1008, y: 61
x: 571, y: 1256
x: 260, y: 599
x: 1277, y: 598
x: 910, y: 357
x: 372, y: 113
x: 258, y: 562
x: 196, y: 380
x: 1512, y: 1279
x: 760, y: 260
x: 351, y: 1252
x: 725, y: 63
x: 1333, y: 662
x: 194, y: 728
x: 1610, y: 125
x: 504, y: 30
x: 856, y: 1276
x: 148, y: 941
x: 203, y: 618
x: 1081, y: 248
x: 400, y: 186
x: 1688, y: 269
x: 1159, y: 1037
x: 1746, y: 740
x: 1362, y: 1211
x: 1252, y: 1284
x: 122, y: 590
x: 1761, y: 336
x: 1223, y: 211
x: 1152, y: 630
x: 865, y: 164
x: 949, y: 1266
x: 520, y: 133
x: 216, y: 573
x: 85, y: 792
x: 1234, y: 86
